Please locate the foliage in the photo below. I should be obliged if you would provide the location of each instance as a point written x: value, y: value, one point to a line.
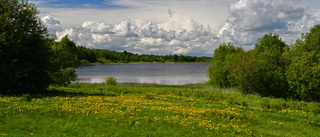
x: 111, y: 81
x: 107, y: 56
x: 269, y: 77
x: 155, y: 110
x: 303, y: 72
x: 66, y: 61
x: 218, y: 71
x: 26, y: 97
x: 24, y: 48
x: 64, y: 76
x: 242, y: 68
x: 272, y: 68
x: 258, y: 71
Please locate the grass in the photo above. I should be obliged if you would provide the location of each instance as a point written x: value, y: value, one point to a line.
x: 154, y: 110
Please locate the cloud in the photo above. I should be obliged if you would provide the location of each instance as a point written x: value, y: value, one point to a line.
x: 97, y: 27
x: 148, y: 32
x: 305, y: 23
x: 206, y: 12
x: 124, y: 28
x: 252, y: 15
x: 251, y: 19
x: 52, y: 24
x: 145, y: 39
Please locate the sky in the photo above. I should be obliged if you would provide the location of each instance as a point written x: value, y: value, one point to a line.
x: 187, y: 27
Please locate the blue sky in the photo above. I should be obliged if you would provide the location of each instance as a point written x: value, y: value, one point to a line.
x: 79, y: 4
x: 189, y: 27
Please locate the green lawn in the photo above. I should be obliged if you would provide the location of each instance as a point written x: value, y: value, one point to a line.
x: 154, y: 110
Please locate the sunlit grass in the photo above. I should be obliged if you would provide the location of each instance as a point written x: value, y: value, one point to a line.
x: 154, y: 110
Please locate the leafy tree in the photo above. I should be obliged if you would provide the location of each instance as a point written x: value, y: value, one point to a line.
x: 304, y: 76
x: 218, y: 71
x: 261, y: 70
x: 86, y: 55
x: 270, y: 78
x: 24, y: 48
x: 242, y: 68
x: 66, y: 60
x: 270, y: 42
x: 303, y: 72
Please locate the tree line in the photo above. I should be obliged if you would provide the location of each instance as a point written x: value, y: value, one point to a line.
x: 89, y: 56
x: 272, y: 68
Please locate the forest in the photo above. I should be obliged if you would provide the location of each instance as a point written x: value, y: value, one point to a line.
x: 272, y: 68
x: 89, y: 56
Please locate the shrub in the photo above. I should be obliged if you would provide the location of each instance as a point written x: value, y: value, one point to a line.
x: 26, y: 97
x: 111, y: 81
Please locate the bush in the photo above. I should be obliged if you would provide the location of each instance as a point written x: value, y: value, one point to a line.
x: 26, y: 97
x: 111, y: 81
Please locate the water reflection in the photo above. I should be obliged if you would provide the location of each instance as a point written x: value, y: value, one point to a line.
x: 156, y: 73
x: 155, y: 80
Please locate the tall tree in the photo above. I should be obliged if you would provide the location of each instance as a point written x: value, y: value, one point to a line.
x: 303, y: 72
x: 66, y: 60
x: 24, y: 48
x: 270, y: 77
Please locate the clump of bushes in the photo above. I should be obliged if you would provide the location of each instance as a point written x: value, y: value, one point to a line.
x: 110, y: 81
x: 272, y: 68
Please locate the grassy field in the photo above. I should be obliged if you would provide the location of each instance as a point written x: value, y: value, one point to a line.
x: 154, y: 110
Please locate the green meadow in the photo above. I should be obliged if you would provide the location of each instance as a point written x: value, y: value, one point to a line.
x: 154, y: 110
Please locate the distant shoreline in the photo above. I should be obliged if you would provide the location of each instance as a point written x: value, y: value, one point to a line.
x: 137, y: 63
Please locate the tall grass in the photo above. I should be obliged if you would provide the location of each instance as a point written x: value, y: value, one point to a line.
x: 154, y: 110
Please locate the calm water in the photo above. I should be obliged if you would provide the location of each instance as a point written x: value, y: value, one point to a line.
x: 157, y: 73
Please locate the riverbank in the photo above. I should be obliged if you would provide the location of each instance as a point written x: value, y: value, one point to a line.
x: 154, y: 110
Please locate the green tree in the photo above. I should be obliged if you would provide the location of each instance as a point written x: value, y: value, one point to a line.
x: 261, y: 70
x: 218, y: 71
x: 66, y: 60
x: 24, y: 48
x: 270, y: 78
x: 303, y: 72
x: 242, y: 68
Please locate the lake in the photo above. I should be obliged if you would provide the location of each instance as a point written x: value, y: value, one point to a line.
x: 153, y: 73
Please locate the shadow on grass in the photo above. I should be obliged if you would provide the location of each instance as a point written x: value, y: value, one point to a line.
x: 51, y: 93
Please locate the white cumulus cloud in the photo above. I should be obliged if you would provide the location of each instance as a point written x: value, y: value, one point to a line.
x: 52, y: 24
x: 251, y: 19
x: 179, y: 33
x: 147, y: 38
